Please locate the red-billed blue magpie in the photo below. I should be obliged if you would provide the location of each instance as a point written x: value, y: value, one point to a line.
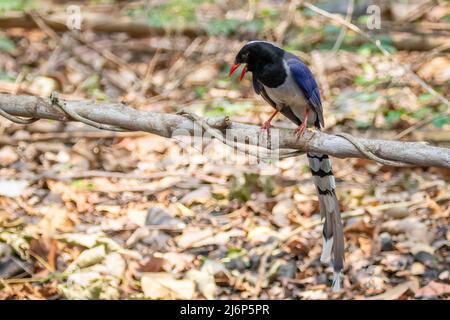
x: 287, y: 84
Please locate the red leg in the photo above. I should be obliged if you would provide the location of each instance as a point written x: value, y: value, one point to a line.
x: 301, y: 128
x: 267, y: 124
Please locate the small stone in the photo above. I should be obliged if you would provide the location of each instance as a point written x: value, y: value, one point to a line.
x: 397, y: 212
x: 216, y: 213
x: 236, y: 264
x: 430, y: 274
x: 161, y: 216
x: 322, y: 279
x: 156, y: 239
x: 287, y: 270
x: 254, y: 261
x: 426, y: 258
x: 386, y: 242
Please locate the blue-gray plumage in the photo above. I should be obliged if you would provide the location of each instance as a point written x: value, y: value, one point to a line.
x: 287, y: 84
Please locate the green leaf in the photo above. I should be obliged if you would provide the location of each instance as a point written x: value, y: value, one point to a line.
x: 366, y: 49
x: 362, y: 20
x: 441, y: 121
x: 84, y: 185
x: 332, y: 29
x: 254, y: 26
x: 174, y: 13
x: 6, y: 76
x: 424, y: 97
x: 362, y: 124
x: 421, y: 113
x: 394, y: 115
x: 268, y: 186
x: 14, y: 5
x: 238, y: 191
x: 268, y: 12
x: 235, y: 252
x: 446, y: 18
x: 224, y: 27
x: 361, y: 80
x: 200, y: 92
x: 387, y: 43
x: 226, y: 108
x: 367, y: 96
x: 7, y: 44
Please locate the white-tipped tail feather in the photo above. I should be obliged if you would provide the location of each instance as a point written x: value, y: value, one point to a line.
x: 326, y: 250
x: 333, y: 236
x: 336, y: 281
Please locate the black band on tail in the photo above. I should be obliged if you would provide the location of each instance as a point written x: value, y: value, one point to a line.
x: 333, y: 234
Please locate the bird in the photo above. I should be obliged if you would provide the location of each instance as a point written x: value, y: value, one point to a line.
x: 287, y: 84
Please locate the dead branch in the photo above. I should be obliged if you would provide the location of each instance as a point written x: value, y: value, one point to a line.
x: 99, y: 22
x: 96, y: 22
x: 117, y: 115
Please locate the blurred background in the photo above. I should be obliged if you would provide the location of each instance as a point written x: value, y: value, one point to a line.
x: 89, y: 214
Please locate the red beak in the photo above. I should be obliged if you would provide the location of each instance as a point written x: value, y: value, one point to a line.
x: 233, y: 69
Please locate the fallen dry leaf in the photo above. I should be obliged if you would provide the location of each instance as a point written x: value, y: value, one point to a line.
x: 281, y: 211
x: 205, y: 282
x: 160, y: 285
x: 201, y: 195
x: 397, y: 291
x: 12, y: 188
x: 193, y: 237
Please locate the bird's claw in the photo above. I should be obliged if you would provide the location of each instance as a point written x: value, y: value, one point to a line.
x: 300, y: 131
x: 266, y: 125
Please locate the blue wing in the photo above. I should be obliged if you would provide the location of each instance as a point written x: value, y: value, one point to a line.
x: 306, y: 82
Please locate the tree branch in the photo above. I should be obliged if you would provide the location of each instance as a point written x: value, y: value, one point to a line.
x: 96, y: 22
x: 171, y: 125
x: 401, y: 35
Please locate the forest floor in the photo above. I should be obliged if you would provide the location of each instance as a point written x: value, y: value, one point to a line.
x: 90, y: 214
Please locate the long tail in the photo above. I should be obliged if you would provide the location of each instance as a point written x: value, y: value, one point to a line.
x: 333, y: 234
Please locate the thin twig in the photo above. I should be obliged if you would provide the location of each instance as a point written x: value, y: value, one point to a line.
x: 43, y: 26
x: 108, y: 55
x: 55, y: 99
x: 17, y: 119
x: 343, y: 32
x: 370, y: 154
x: 420, y: 124
x: 262, y: 268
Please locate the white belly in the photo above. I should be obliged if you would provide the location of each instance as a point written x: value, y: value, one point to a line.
x: 289, y: 94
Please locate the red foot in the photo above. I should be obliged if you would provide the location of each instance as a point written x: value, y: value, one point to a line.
x: 300, y: 130
x: 266, y: 125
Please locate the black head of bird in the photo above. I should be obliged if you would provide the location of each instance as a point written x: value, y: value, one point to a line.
x: 257, y: 56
